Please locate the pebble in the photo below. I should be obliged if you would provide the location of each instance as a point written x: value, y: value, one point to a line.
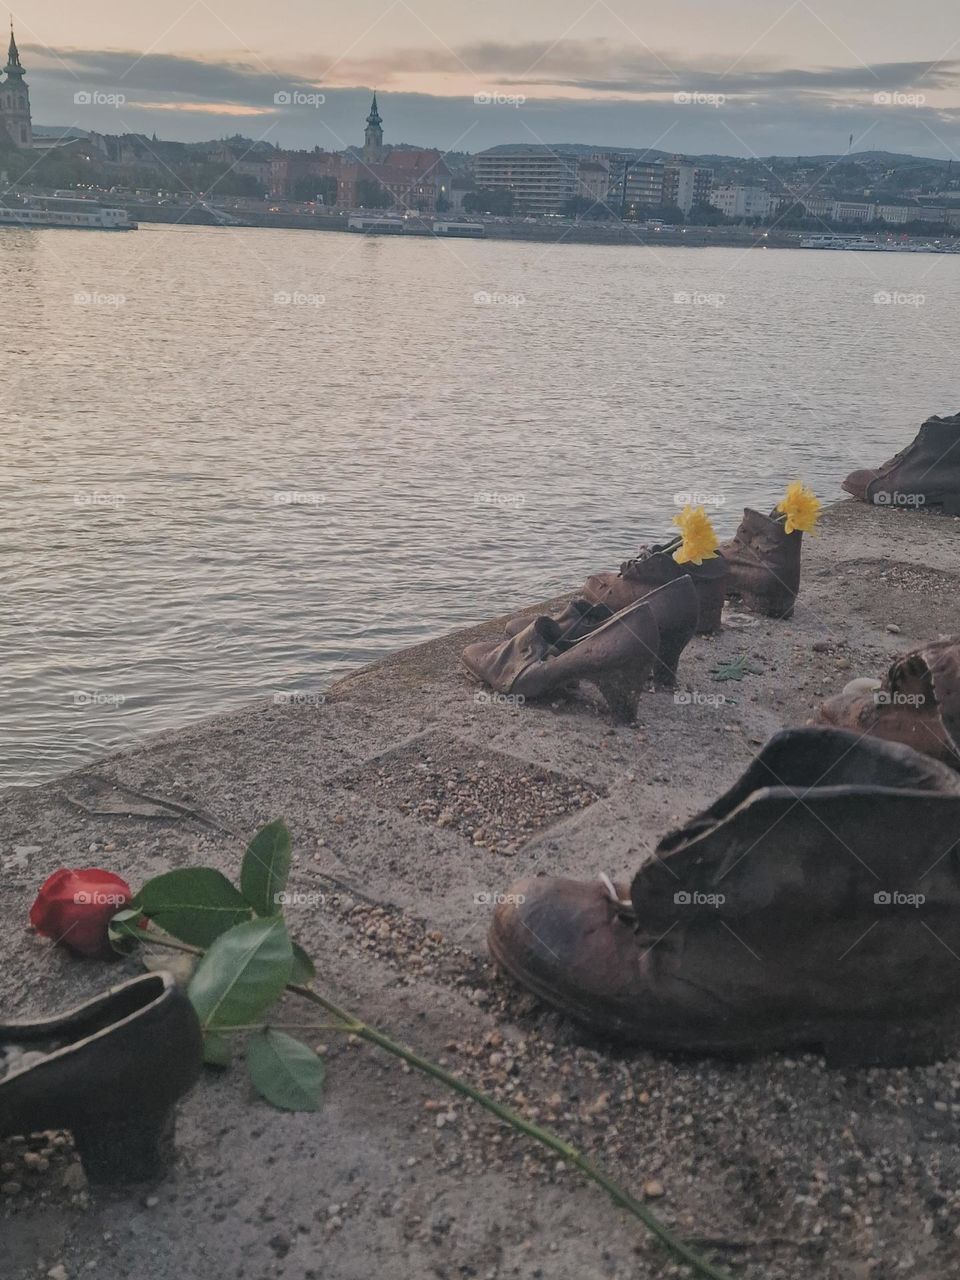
x: 59, y: 1272
x: 653, y: 1189
x: 893, y: 628
x: 11, y: 1188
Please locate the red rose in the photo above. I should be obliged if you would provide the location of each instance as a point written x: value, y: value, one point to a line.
x: 75, y: 907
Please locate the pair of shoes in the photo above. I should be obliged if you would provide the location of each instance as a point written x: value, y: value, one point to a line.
x: 917, y: 703
x: 925, y: 474
x: 619, y: 655
x: 815, y: 905
x: 110, y: 1071
x: 655, y: 567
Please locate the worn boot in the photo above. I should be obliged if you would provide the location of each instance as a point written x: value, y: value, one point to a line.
x: 652, y: 568
x: 925, y: 474
x: 619, y: 656
x: 814, y: 905
x: 577, y: 620
x: 764, y: 562
x: 110, y: 1071
x: 917, y: 703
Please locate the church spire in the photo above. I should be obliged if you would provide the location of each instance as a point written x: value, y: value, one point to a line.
x: 373, y: 137
x: 14, y: 67
x: 373, y: 118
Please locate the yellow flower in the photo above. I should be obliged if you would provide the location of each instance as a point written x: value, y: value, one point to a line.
x: 801, y: 506
x: 699, y: 540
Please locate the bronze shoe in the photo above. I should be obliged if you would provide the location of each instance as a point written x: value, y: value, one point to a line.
x: 618, y: 657
x: 654, y: 567
x: 815, y: 905
x: 917, y: 703
x: 764, y: 562
x: 575, y: 621
x: 925, y: 474
x: 110, y: 1071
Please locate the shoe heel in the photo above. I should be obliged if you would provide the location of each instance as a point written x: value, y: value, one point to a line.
x: 621, y: 691
x: 127, y: 1148
x: 873, y: 1044
x: 780, y: 607
x: 710, y: 606
x: 950, y: 506
x: 672, y: 645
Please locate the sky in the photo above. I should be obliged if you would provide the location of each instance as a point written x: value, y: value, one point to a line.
x: 732, y: 77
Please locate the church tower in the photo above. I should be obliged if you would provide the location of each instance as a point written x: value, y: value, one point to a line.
x: 15, y: 98
x: 373, y: 138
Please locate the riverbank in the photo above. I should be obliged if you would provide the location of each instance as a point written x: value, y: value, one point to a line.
x: 412, y: 802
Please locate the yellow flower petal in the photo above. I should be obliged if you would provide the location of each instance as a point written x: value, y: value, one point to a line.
x: 802, y: 508
x: 699, y: 542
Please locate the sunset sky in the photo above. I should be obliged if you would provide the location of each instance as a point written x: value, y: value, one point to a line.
x: 767, y: 78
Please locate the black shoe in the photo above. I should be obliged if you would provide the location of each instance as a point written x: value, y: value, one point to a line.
x: 110, y: 1071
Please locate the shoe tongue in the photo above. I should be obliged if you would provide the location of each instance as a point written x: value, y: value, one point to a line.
x: 548, y: 630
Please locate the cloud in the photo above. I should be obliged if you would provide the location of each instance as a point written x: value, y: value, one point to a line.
x: 591, y: 91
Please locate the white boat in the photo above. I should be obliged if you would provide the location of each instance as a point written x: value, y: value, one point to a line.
x: 450, y: 227
x: 59, y: 211
x: 824, y: 242
x: 376, y: 224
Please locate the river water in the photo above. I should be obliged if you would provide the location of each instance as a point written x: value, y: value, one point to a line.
x: 238, y: 462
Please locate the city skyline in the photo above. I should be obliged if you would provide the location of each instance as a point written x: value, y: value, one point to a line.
x: 692, y: 81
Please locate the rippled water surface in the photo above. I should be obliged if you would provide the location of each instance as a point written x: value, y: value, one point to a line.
x: 209, y: 493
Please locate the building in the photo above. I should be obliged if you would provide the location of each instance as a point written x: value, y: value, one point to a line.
x: 644, y: 186
x: 744, y: 202
x: 593, y: 181
x: 542, y: 181
x: 373, y: 135
x: 686, y: 184
x: 15, y: 99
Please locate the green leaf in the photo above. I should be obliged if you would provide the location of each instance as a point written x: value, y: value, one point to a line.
x: 304, y: 970
x: 195, y: 904
x: 242, y: 974
x: 285, y: 1071
x: 120, y: 930
x: 217, y: 1050
x: 266, y: 865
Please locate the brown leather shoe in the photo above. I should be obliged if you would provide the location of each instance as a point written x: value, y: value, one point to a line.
x: 652, y: 568
x: 918, y: 703
x: 811, y: 906
x: 619, y: 656
x: 577, y: 620
x: 925, y: 474
x: 764, y: 562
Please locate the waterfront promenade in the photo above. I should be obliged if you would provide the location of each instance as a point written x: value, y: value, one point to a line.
x: 411, y: 803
